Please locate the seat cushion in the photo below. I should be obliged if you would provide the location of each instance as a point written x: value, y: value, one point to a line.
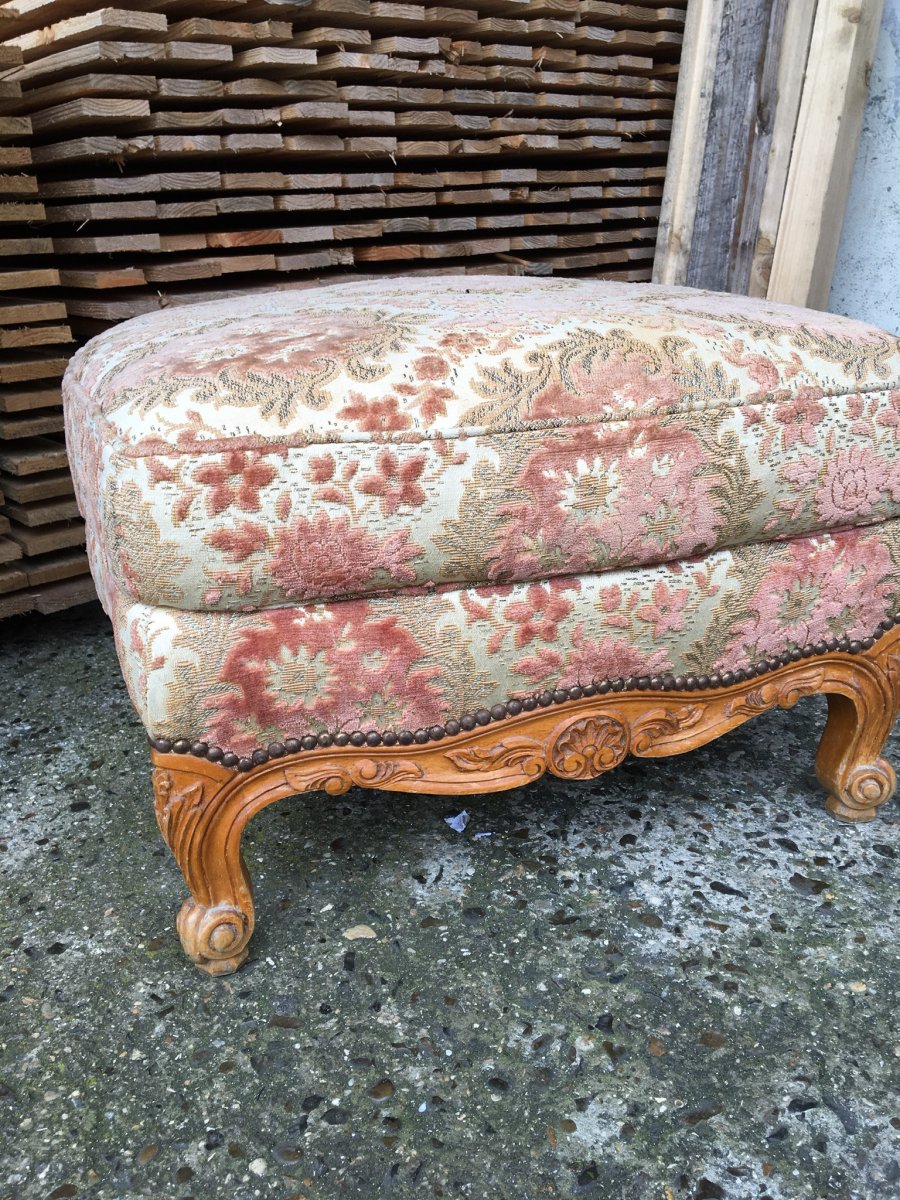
x: 289, y: 447
x: 243, y: 680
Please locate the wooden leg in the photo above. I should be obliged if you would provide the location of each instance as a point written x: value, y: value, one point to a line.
x: 848, y: 764
x: 202, y: 824
x: 202, y: 807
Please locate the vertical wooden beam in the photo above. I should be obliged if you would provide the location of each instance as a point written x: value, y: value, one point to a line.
x: 798, y: 25
x: 726, y: 222
x: 686, y: 148
x: 831, y: 112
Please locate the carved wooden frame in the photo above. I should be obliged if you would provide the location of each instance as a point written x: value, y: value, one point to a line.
x: 203, y: 807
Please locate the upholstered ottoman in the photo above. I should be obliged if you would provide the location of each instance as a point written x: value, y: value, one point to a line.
x: 446, y: 534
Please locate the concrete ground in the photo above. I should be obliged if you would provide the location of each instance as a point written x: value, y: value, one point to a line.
x: 679, y: 981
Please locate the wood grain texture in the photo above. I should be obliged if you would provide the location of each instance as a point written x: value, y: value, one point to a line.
x: 689, y: 132
x: 736, y: 153
x: 831, y: 112
x: 798, y: 24
x: 202, y: 807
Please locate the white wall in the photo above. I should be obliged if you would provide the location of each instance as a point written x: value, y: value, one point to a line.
x: 867, y: 274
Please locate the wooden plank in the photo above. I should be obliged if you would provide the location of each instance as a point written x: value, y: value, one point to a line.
x: 48, y: 537
x: 102, y: 84
x: 789, y: 86
x: 34, y: 335
x: 102, y: 23
x: 22, y: 247
x: 726, y: 220
x: 11, y: 578
x: 21, y: 213
x: 15, y: 156
x: 100, y: 277
x: 60, y: 596
x: 51, y: 568
x: 32, y: 456
x: 17, y: 185
x: 28, y: 277
x: 831, y: 112
x: 113, y: 210
x: 17, y: 368
x: 10, y: 551
x: 88, y: 111
x: 17, y: 603
x: 30, y: 311
x: 41, y: 512
x: 236, y: 33
x: 43, y: 486
x: 31, y: 425
x: 26, y: 399
x: 102, y: 54
x: 688, y: 141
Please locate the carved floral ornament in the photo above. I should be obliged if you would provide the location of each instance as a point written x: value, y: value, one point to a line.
x: 589, y: 746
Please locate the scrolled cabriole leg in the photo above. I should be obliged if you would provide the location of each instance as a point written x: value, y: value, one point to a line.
x: 200, y: 814
x: 849, y: 764
x: 861, y: 714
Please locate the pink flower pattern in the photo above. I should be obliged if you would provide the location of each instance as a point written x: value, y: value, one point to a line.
x: 383, y: 502
x: 419, y: 658
x: 852, y: 487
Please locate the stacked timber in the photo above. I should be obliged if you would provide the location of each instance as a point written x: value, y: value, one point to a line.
x: 193, y: 149
x: 42, y: 560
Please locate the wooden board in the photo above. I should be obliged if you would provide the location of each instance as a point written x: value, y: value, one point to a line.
x: 43, y: 486
x: 52, y: 568
x: 831, y: 112
x: 31, y: 456
x: 40, y: 512
x: 47, y: 537
x: 58, y: 596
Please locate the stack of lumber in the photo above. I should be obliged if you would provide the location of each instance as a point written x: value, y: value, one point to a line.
x: 42, y: 559
x: 193, y: 149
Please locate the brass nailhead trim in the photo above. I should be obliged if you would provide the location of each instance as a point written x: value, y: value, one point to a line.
x: 512, y: 708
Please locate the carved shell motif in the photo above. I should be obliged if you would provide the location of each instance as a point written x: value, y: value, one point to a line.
x: 588, y: 747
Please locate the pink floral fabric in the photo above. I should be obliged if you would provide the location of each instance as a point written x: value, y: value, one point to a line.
x: 371, y: 437
x: 419, y: 658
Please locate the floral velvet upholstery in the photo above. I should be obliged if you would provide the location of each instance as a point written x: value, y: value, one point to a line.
x: 379, y: 504
x: 417, y: 659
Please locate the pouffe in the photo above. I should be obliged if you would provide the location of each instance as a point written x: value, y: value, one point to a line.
x: 443, y: 534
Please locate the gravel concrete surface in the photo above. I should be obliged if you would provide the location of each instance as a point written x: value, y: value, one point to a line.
x: 678, y: 982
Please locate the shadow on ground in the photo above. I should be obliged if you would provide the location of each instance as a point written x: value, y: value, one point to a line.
x: 679, y: 981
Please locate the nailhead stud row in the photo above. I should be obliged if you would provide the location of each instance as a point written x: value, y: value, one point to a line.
x: 512, y: 708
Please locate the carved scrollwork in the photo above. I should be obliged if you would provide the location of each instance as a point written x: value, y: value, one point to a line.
x: 866, y: 786
x: 382, y: 773
x: 588, y: 747
x: 518, y: 753
x: 335, y: 779
x: 661, y: 724
x: 175, y: 806
x: 318, y: 778
x: 214, y: 938
x: 779, y: 693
